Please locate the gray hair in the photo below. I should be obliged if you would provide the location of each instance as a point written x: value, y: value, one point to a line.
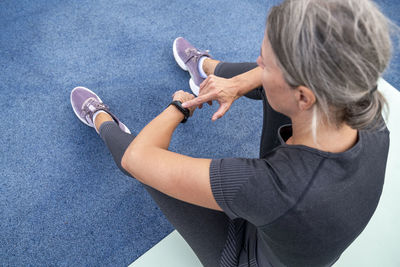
x: 338, y: 49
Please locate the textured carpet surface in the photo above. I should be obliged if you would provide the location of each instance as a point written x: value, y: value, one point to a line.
x: 62, y: 199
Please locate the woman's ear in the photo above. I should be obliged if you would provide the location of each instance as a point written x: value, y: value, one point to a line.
x: 305, y: 97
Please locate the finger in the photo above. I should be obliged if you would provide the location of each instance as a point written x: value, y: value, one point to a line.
x: 198, y: 100
x: 207, y: 86
x: 177, y: 92
x: 204, y: 83
x: 220, y: 112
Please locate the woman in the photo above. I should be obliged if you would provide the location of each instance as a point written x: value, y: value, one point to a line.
x: 323, y: 148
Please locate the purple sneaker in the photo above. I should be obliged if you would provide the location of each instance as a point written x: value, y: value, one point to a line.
x: 187, y: 57
x: 85, y: 103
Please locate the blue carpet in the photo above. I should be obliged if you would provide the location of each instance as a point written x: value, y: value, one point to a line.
x: 62, y: 199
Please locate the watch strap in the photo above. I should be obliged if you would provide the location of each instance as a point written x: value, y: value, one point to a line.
x: 185, y: 111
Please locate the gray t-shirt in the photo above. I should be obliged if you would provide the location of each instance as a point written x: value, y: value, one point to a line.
x: 299, y: 206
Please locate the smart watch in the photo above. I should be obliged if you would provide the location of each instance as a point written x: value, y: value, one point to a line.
x: 185, y: 111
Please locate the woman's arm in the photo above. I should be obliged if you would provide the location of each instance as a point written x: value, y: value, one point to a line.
x: 243, y: 83
x: 148, y: 160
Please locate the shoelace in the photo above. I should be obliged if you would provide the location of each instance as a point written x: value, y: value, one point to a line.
x: 194, y: 53
x: 90, y: 106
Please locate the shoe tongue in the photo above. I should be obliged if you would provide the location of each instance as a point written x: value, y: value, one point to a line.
x: 91, y: 107
x: 88, y: 109
x: 89, y: 102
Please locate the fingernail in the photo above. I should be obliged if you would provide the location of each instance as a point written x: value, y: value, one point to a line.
x: 184, y: 105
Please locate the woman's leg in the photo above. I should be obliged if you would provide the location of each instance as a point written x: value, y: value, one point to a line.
x: 205, y: 230
x: 272, y: 120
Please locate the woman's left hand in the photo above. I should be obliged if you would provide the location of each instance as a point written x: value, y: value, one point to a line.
x: 183, y: 97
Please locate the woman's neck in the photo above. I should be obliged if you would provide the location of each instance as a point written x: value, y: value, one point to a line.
x: 330, y: 138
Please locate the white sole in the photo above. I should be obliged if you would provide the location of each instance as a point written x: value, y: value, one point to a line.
x: 176, y: 56
x: 195, y: 89
x: 125, y: 128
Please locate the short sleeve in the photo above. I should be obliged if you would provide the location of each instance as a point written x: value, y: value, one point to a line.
x: 251, y: 189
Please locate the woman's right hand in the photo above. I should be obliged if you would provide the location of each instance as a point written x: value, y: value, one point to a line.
x: 216, y: 88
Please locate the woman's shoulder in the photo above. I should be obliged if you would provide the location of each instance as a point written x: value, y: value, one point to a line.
x: 377, y: 140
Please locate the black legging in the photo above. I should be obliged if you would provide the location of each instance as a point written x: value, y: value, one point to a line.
x: 205, y: 230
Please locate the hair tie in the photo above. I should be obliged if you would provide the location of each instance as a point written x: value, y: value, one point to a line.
x: 374, y: 89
